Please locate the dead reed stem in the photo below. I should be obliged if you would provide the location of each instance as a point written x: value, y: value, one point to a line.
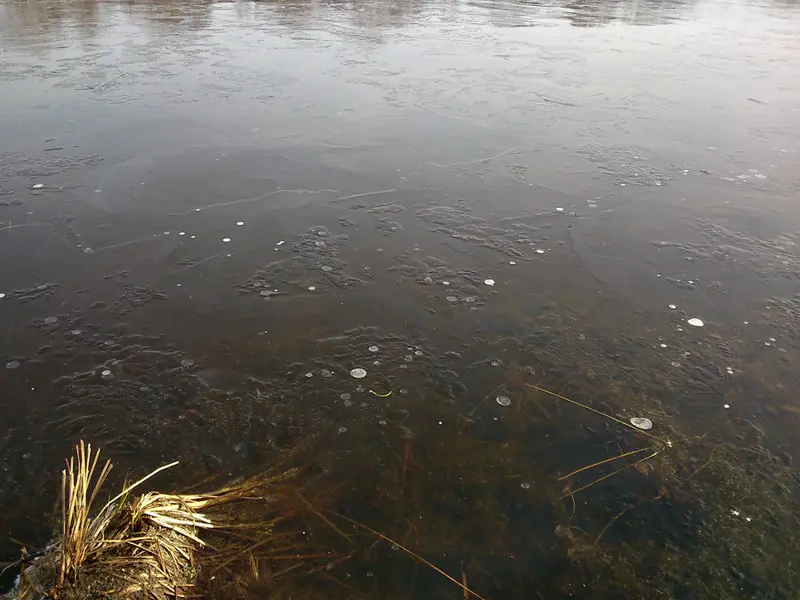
x: 411, y: 553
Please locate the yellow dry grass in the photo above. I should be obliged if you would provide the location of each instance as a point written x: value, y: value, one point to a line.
x: 154, y: 545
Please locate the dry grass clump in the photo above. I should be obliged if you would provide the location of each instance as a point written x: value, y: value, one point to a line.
x: 158, y: 546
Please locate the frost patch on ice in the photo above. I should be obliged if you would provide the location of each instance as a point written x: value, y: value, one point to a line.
x: 358, y: 373
x: 641, y: 422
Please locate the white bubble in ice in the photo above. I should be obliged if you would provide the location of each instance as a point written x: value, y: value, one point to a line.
x: 539, y: 251
x: 451, y: 299
x: 358, y: 373
x: 672, y: 306
x: 309, y: 374
x: 342, y: 429
x: 512, y: 262
x: 312, y: 288
x: 38, y: 186
x: 445, y: 283
x: 226, y: 240
x: 327, y: 268
x: 503, y: 400
x: 239, y: 223
x: 2, y: 295
x: 281, y: 243
x: 641, y: 422
x: 525, y: 485
x: 489, y: 282
x: 695, y: 322
x: 373, y: 348
x: 663, y: 345
x: 726, y: 406
x: 559, y: 209
x: 182, y: 233
x: 106, y: 374
x: 418, y: 352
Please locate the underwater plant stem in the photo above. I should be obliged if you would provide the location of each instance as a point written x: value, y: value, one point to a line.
x: 413, y: 554
x: 602, y: 462
x: 589, y: 408
x: 604, y: 477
